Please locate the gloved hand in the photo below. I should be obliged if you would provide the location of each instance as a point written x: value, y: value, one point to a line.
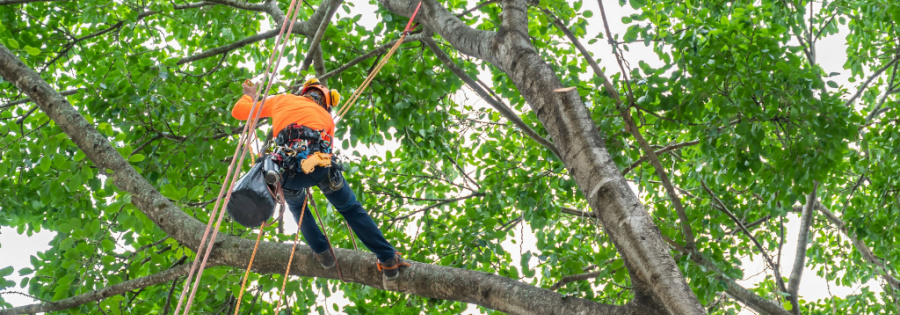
x: 249, y: 89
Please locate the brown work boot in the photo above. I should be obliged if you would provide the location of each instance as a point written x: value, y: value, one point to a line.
x: 391, y: 268
x: 326, y: 259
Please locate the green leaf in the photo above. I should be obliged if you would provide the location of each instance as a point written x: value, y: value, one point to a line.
x: 637, y: 4
x: 832, y: 84
x: 136, y: 158
x: 32, y: 51
x: 6, y: 271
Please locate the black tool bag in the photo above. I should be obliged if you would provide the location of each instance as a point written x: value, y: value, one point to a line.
x: 251, y: 203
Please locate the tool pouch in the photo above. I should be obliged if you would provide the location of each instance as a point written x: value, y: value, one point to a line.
x: 252, y: 202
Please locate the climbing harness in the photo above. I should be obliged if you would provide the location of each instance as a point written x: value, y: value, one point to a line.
x: 248, y: 137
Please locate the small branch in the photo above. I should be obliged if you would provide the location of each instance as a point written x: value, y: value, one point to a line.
x: 258, y: 7
x: 8, y: 2
x: 573, y: 278
x: 26, y: 100
x: 229, y: 47
x: 871, y: 78
x: 376, y: 51
x: 860, y: 246
x: 479, y: 6
x: 762, y: 250
x: 314, y: 45
x: 98, y: 295
x: 578, y: 213
x: 504, y: 110
x: 444, y: 202
x: 802, y: 242
x: 632, y: 128
x: 659, y: 152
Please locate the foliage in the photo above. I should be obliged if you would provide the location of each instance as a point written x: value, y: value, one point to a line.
x: 739, y: 76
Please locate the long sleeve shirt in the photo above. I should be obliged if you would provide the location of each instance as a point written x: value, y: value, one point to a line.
x: 287, y: 109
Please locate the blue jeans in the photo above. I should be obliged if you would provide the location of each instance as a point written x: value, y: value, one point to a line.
x: 346, y: 204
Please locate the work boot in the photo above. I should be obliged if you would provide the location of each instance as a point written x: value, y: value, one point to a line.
x: 326, y: 259
x: 391, y: 268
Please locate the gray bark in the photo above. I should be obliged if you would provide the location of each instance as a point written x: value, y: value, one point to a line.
x: 802, y: 242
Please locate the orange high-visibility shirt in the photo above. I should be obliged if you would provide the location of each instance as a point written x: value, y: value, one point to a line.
x: 287, y: 109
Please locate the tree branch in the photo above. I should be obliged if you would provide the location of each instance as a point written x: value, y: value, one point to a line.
x: 802, y: 242
x: 98, y: 295
x: 26, y: 100
x: 479, y: 6
x: 314, y: 45
x: 441, y: 203
x: 877, y: 73
x: 860, y: 247
x: 8, y: 2
x: 226, y: 48
x: 502, y: 109
x: 573, y: 278
x: 762, y: 250
x: 659, y: 152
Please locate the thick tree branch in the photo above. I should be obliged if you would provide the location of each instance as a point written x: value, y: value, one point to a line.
x: 514, y: 17
x: 98, y: 295
x: 802, y: 242
x: 500, y: 107
x: 426, y: 280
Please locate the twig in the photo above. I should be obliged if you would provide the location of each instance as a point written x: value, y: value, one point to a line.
x: 659, y: 152
x: 504, y: 110
x: 871, y: 78
x: 743, y: 228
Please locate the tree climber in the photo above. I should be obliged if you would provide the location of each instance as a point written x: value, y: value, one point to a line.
x: 305, y: 129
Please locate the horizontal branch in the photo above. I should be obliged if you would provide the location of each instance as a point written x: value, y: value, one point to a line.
x: 229, y: 47
x: 98, y: 295
x: 8, y: 2
x: 448, y: 201
x: 573, y: 278
x: 26, y: 100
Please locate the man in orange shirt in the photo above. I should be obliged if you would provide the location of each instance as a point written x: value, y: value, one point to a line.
x: 305, y: 130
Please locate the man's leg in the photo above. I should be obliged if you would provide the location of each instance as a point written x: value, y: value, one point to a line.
x: 362, y: 224
x: 308, y: 227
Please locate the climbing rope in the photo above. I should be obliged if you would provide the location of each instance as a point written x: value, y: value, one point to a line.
x: 247, y: 134
x: 244, y: 144
x: 356, y: 94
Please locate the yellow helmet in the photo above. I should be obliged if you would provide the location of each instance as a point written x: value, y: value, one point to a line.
x: 327, y: 98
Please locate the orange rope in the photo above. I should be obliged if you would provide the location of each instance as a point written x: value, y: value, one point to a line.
x: 242, y: 147
x: 291, y: 259
x: 262, y: 230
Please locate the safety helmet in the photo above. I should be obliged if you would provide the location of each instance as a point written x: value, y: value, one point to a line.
x: 317, y: 92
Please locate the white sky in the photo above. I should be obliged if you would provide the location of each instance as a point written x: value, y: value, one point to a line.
x: 16, y: 249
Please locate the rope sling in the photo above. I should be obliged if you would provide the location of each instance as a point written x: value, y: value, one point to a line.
x: 245, y: 140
